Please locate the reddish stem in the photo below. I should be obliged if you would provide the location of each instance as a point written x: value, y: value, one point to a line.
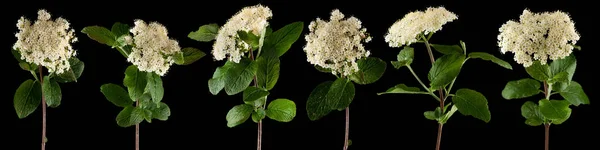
x: 43, y: 110
x: 347, y: 128
x: 259, y: 138
x: 137, y: 131
x: 547, y: 139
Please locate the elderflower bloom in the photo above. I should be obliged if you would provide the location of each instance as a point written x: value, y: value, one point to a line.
x: 408, y: 29
x: 153, y: 50
x: 46, y: 42
x: 251, y: 19
x: 336, y: 44
x: 547, y: 35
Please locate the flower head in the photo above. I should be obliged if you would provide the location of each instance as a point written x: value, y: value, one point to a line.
x: 407, y: 30
x: 336, y: 44
x: 46, y: 42
x: 543, y: 35
x: 153, y: 50
x: 251, y: 19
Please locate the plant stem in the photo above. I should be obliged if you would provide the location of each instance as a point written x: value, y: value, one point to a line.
x: 43, y: 110
x: 439, y: 137
x: 137, y: 130
x: 421, y: 82
x: 417, y: 77
x: 259, y: 138
x: 547, y: 90
x: 547, y: 139
x: 429, y: 50
x: 347, y: 128
x: 440, y: 91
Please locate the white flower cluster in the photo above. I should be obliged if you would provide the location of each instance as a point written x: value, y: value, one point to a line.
x: 46, y: 42
x: 407, y: 30
x: 153, y: 50
x: 543, y: 35
x: 336, y: 44
x: 250, y: 19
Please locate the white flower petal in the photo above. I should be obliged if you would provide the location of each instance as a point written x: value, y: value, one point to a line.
x: 46, y: 42
x: 336, y: 44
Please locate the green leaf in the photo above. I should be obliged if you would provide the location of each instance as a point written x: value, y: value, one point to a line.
x: 122, y: 42
x: 268, y: 31
x: 267, y: 73
x: 567, y: 64
x: 239, y: 76
x: 447, y: 49
x: 280, y: 41
x: 558, y: 78
x: 120, y: 29
x: 116, y: 95
x: 146, y: 102
x: 161, y: 113
x: 255, y: 96
x: 521, y: 89
x: 321, y: 69
x: 577, y: 47
x: 27, y: 98
x: 135, y: 81
x: 462, y: 45
x: 282, y: 110
x: 178, y: 58
x: 555, y: 109
x: 445, y: 69
x: 538, y: 71
x: 258, y: 115
x: 100, y: 34
x: 124, y: 117
x: 25, y: 66
x: 190, y: 55
x: 238, y: 115
x: 490, y: 57
x: 249, y: 38
x: 444, y: 118
x: 532, y: 114
x: 147, y: 114
x: 52, y: 92
x: 561, y: 120
x: 130, y: 116
x: 205, y: 33
x: 340, y: 94
x: 403, y: 89
x: 405, y: 57
x: 217, y: 83
x: 72, y: 74
x: 370, y: 69
x: 473, y: 103
x: 431, y: 115
x: 17, y: 55
x: 316, y: 106
x: 154, y: 86
x: 434, y: 115
x: 574, y: 94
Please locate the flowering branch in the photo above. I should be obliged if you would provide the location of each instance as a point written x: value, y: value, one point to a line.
x: 529, y: 37
x: 419, y: 27
x: 152, y: 53
x: 336, y: 47
x: 244, y: 32
x: 46, y: 43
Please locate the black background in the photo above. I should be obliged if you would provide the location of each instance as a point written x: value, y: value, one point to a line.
x: 85, y: 120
